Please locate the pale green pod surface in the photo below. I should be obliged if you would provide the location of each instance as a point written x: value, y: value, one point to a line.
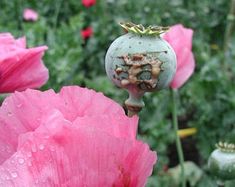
x: 140, y: 62
x: 222, y: 164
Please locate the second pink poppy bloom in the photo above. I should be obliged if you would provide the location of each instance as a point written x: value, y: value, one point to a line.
x: 30, y: 15
x: 180, y: 39
x: 74, y: 138
x: 20, y: 67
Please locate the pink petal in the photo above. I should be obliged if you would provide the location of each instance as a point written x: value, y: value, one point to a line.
x: 59, y: 153
x: 181, y: 34
x: 184, y: 71
x: 20, y: 68
x: 22, y: 112
x: 180, y: 39
x: 127, y: 127
x: 30, y: 15
x: 84, y: 102
x: 72, y: 102
x: 23, y: 70
x: 7, y: 43
x: 21, y: 42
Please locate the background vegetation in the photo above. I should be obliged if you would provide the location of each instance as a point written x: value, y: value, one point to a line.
x: 207, y: 100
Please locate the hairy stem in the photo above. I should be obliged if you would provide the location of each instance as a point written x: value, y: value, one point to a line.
x: 178, y: 142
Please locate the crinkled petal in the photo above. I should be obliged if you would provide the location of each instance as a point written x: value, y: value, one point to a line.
x: 115, y: 125
x: 24, y: 111
x: 84, y: 102
x: 59, y: 153
x: 20, y: 113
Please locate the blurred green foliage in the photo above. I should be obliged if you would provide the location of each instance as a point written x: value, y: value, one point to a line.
x: 206, y: 101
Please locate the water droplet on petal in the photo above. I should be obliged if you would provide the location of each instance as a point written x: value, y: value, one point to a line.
x: 21, y: 160
x: 41, y: 147
x: 19, y: 105
x: 9, y: 114
x: 14, y: 174
x: 52, y: 148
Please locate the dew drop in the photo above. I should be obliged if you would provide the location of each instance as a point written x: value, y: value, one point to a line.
x: 19, y: 105
x: 12, y: 161
x: 20, y: 160
x: 14, y: 174
x: 41, y: 147
x: 9, y: 114
x: 52, y: 148
x: 36, y: 181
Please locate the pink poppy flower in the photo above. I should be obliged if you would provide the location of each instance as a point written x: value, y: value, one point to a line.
x: 74, y: 138
x: 87, y: 33
x: 180, y: 39
x: 88, y: 3
x: 20, y: 67
x: 30, y: 15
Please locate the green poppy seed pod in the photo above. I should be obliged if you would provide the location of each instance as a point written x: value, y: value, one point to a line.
x: 140, y: 61
x: 222, y: 162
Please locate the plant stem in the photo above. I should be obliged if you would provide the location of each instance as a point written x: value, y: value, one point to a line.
x: 229, y: 26
x: 178, y: 142
x: 57, y: 11
x: 228, y: 33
